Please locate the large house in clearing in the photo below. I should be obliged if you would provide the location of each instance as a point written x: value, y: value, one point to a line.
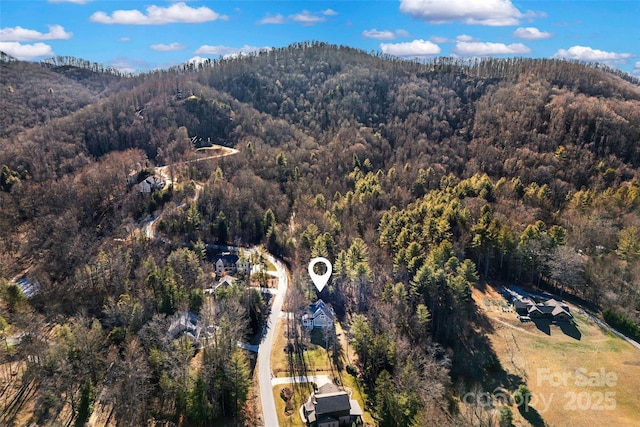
x: 550, y: 309
x: 318, y: 315
x: 228, y: 263
x: 331, y: 407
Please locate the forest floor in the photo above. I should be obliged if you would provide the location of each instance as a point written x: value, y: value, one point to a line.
x: 579, y: 374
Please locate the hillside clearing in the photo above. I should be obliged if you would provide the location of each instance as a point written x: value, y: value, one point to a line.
x: 576, y: 377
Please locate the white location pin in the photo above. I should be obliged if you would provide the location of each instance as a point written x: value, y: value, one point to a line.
x: 320, y: 280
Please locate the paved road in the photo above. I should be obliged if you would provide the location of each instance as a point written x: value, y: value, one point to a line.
x: 264, y: 352
x: 270, y: 416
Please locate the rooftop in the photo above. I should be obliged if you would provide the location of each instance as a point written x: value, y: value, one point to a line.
x: 330, y: 403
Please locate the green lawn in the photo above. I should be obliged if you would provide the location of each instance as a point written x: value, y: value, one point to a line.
x: 318, y: 363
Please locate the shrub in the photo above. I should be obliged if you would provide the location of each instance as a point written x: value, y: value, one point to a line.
x: 522, y: 395
x: 505, y: 416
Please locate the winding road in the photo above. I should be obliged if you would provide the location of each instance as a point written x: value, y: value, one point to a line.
x: 149, y: 224
x: 270, y: 416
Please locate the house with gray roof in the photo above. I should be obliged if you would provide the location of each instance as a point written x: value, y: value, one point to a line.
x: 331, y: 407
x: 318, y: 315
x: 551, y: 309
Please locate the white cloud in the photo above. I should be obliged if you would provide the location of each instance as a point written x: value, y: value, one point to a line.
x: 19, y: 34
x: 272, y: 19
x: 465, y: 38
x: 440, y: 39
x: 585, y: 53
x: 124, y: 39
x: 487, y: 48
x: 379, y: 35
x: 307, y: 18
x: 26, y: 52
x: 384, y: 34
x: 71, y: 1
x: 329, y: 12
x: 227, y: 51
x: 415, y: 48
x: 172, y: 47
x: 636, y: 69
x: 480, y: 12
x: 531, y: 33
x: 157, y: 15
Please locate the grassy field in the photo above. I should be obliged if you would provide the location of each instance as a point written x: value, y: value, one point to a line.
x: 578, y: 375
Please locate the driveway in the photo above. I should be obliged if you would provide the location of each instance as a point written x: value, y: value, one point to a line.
x: 320, y: 380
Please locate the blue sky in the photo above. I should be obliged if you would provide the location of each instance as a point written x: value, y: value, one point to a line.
x: 141, y: 35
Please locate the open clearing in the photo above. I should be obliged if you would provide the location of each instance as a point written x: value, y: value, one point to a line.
x: 578, y: 376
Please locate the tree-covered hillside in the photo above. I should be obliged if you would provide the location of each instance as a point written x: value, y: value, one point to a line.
x: 417, y: 180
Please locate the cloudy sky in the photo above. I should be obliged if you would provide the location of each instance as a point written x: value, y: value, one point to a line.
x: 141, y: 35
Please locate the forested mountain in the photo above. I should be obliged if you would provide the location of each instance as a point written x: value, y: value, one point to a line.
x: 417, y: 180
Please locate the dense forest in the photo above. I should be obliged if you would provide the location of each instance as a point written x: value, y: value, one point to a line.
x: 418, y: 180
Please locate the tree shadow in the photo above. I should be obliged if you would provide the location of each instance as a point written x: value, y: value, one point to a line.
x: 477, y: 366
x: 481, y: 286
x: 531, y: 414
x: 474, y: 359
x: 328, y: 340
x: 543, y: 325
x: 478, y: 317
x: 570, y: 329
x: 338, y: 355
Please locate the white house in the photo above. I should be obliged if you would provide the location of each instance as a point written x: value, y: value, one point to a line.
x: 228, y: 263
x: 318, y: 315
x: 151, y: 183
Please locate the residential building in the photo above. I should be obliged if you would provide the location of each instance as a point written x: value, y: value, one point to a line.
x: 551, y: 309
x: 318, y: 315
x: 224, y: 282
x: 331, y: 407
x: 151, y: 183
x: 184, y: 323
x: 229, y: 263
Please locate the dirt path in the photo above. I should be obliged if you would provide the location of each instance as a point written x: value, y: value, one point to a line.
x: 517, y: 328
